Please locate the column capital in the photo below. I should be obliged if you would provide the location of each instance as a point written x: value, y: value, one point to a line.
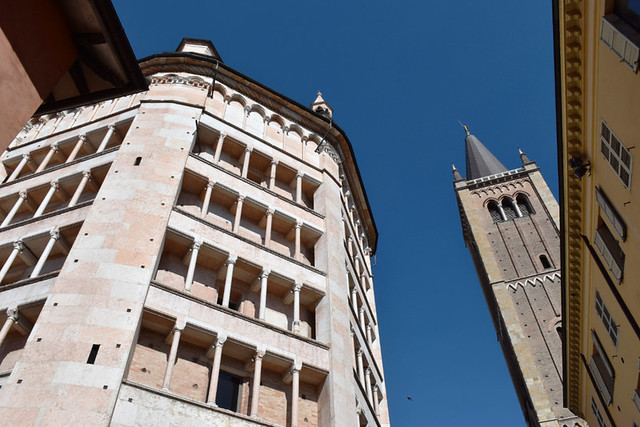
x: 376, y: 388
x: 12, y: 313
x: 18, y: 245
x: 231, y: 260
x: 265, y: 274
x: 54, y: 184
x: 87, y: 174
x: 54, y: 147
x: 274, y: 162
x: 296, y: 287
x: 26, y: 156
x: 210, y: 184
x: 298, y: 224
x: 55, y: 234
x: 367, y: 371
x: 350, y: 239
x: 222, y: 136
x: 82, y: 137
x: 362, y: 310
x: 112, y: 127
x: 285, y: 129
x: 299, y: 174
x: 270, y: 211
x: 196, y: 245
x: 260, y: 352
x: 360, y: 352
x: 248, y: 149
x: 22, y: 194
x: 240, y: 198
x: 220, y: 340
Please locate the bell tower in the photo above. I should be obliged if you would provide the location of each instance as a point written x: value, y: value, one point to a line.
x: 510, y: 225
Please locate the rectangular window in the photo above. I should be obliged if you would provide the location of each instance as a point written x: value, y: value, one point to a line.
x: 609, y: 211
x: 609, y: 324
x: 616, y: 154
x: 610, y: 250
x: 601, y: 369
x: 596, y: 412
x: 228, y: 393
x: 622, y: 39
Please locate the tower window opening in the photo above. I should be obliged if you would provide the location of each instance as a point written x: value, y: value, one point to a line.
x: 524, y: 205
x: 494, y: 211
x: 545, y: 262
x: 137, y: 162
x: 93, y: 354
x: 507, y: 207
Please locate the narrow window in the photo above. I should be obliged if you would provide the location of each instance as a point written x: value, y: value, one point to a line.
x: 523, y: 205
x: 494, y: 211
x: 93, y: 354
x: 545, y: 262
x: 137, y: 162
x: 228, y: 391
x: 507, y: 207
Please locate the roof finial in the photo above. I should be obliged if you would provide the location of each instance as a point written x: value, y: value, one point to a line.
x: 456, y: 174
x: 466, y: 128
x: 524, y: 158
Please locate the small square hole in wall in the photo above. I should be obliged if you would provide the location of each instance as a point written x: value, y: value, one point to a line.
x: 104, y: 387
x: 142, y: 266
x: 19, y: 381
x: 151, y: 240
x: 55, y: 304
x: 138, y: 161
x: 130, y: 400
x: 86, y: 234
x: 117, y: 345
x: 75, y: 260
x: 128, y: 310
x: 38, y: 339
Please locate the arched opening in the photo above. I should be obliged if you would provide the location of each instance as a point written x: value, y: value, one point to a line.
x: 524, y: 205
x: 494, y: 211
x: 507, y: 207
x: 545, y: 262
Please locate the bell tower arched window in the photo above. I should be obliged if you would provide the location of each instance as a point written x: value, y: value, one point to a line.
x: 507, y: 207
x: 524, y: 205
x: 545, y: 262
x: 494, y: 211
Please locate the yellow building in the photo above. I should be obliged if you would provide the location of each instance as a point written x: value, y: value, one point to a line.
x: 598, y: 98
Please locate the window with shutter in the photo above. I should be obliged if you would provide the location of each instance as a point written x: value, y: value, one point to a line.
x: 616, y: 154
x: 611, y: 214
x: 610, y: 250
x: 622, y: 39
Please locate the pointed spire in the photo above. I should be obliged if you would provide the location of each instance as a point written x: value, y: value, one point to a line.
x: 456, y: 173
x: 524, y: 158
x: 321, y: 106
x: 480, y: 161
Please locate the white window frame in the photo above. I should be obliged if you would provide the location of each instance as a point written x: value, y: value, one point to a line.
x: 621, y: 39
x: 614, y: 157
x: 607, y: 320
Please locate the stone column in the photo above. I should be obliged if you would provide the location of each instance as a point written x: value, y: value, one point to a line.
x: 195, y: 248
x: 238, y: 216
x: 26, y: 158
x: 12, y: 317
x: 86, y: 177
x: 18, y: 247
x: 268, y: 226
x: 22, y: 196
x: 354, y: 299
x: 502, y: 214
x: 207, y: 199
x: 47, y: 199
x: 264, y: 276
x: 350, y: 246
x: 55, y: 235
x: 360, y: 366
x: 367, y: 383
x: 272, y: 174
x: 175, y: 342
x: 516, y: 207
x: 245, y: 161
x: 375, y: 400
x: 76, y: 148
x: 218, y: 152
x: 215, y: 369
x: 296, y: 307
x: 363, y: 281
x: 296, y: 253
x: 369, y: 334
x: 255, y: 389
x: 351, y: 214
x: 106, y: 139
x: 227, y: 281
x: 362, y: 320
x: 52, y: 150
x: 299, y: 176
x: 295, y: 394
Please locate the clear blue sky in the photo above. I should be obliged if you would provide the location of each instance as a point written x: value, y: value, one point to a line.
x: 399, y: 76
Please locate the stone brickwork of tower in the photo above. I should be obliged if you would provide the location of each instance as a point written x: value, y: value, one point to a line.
x: 510, y: 226
x: 196, y: 254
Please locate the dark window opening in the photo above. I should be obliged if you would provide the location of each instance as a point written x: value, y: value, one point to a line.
x: 545, y: 261
x: 524, y: 205
x: 494, y: 212
x: 137, y: 162
x: 228, y: 391
x: 507, y: 207
x: 93, y: 354
x: 629, y: 10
